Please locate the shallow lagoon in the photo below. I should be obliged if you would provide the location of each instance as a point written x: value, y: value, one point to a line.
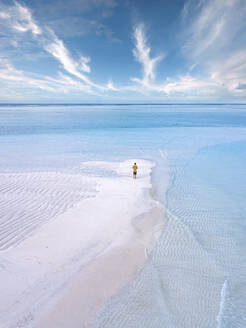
x: 195, y: 274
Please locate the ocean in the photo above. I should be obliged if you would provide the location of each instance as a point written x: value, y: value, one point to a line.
x: 195, y: 274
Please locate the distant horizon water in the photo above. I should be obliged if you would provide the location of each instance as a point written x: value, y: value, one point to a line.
x: 118, y: 103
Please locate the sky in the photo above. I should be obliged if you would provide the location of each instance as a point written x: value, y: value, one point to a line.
x: 107, y: 51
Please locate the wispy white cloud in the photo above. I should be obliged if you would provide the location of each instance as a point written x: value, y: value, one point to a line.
x: 20, y: 19
x: 4, y: 15
x: 179, y: 86
x: 58, y: 50
x: 110, y: 86
x: 230, y: 72
x: 210, y: 85
x: 142, y: 55
x: 215, y: 40
x: 188, y: 85
x: 84, y: 61
x: 63, y: 84
x: 9, y: 73
x: 68, y: 84
x: 214, y: 43
x: 211, y: 25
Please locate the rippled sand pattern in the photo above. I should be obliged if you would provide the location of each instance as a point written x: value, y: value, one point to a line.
x: 195, y: 275
x: 28, y: 200
x: 178, y: 288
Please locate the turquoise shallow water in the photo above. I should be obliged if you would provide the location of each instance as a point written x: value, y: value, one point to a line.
x: 196, y: 273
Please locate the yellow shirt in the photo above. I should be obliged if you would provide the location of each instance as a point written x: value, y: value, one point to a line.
x: 134, y: 168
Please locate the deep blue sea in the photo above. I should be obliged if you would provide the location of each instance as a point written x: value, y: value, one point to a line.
x: 195, y: 276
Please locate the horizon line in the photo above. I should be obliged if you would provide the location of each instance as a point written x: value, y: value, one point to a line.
x: 119, y: 103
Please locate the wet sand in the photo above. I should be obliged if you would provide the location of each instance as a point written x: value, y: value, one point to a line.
x: 105, y: 276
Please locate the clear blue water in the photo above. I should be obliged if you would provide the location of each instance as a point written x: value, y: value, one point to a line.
x: 196, y: 273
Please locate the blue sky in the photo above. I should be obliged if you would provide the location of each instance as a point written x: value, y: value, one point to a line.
x: 123, y: 51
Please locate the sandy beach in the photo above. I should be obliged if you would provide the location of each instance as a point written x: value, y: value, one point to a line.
x: 63, y: 273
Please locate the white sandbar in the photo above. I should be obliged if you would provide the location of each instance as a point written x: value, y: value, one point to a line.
x: 62, y: 274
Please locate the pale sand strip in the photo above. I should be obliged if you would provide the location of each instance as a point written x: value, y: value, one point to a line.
x: 37, y: 272
x: 105, y: 276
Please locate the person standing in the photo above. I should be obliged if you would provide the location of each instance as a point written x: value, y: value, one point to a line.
x: 134, y: 168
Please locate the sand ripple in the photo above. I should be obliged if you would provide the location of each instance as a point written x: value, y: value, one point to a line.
x: 28, y: 200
